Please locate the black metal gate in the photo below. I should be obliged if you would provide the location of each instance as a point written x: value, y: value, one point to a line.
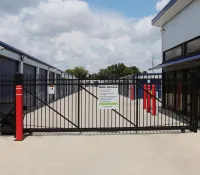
x: 77, y: 109
x: 78, y: 106
x: 7, y: 105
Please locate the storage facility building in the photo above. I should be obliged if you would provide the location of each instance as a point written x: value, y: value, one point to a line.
x: 14, y: 61
x: 179, y: 22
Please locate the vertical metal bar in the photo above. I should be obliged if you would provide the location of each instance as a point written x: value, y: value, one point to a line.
x: 68, y: 94
x: 86, y: 106
x: 89, y: 105
x: 96, y: 110
x: 48, y: 100
x: 130, y: 83
x: 81, y: 114
x: 156, y: 86
x: 124, y: 86
x: 59, y: 93
x: 78, y: 102
x: 138, y: 93
x: 27, y: 104
x: 64, y: 93
x: 193, y: 99
x: 137, y: 102
x: 72, y: 85
x: 120, y: 101
x: 93, y: 106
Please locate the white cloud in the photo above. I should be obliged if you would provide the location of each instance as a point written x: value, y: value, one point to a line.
x: 161, y: 4
x: 69, y: 33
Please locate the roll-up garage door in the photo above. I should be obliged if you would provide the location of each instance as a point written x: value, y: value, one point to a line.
x: 30, y: 85
x: 8, y: 68
x: 42, y: 86
x: 51, y: 82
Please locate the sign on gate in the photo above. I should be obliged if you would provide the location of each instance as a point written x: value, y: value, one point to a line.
x: 108, y: 97
x: 51, y: 89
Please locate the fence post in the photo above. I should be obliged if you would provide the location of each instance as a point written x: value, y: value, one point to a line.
x: 19, y: 107
x: 194, y: 102
x: 145, y: 97
x: 153, y: 112
x: 149, y: 98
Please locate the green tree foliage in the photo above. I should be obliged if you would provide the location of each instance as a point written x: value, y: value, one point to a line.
x: 144, y: 72
x: 115, y: 71
x: 80, y: 72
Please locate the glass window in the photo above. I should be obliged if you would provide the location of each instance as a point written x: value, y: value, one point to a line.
x: 173, y: 53
x: 193, y: 46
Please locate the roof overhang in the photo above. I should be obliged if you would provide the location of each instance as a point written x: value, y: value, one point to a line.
x: 169, y: 11
x: 176, y: 62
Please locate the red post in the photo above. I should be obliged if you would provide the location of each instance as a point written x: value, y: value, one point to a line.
x: 132, y: 92
x: 19, y: 113
x: 149, y: 98
x: 153, y: 112
x: 145, y: 97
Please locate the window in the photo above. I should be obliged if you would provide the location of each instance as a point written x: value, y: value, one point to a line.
x: 193, y: 46
x: 173, y: 53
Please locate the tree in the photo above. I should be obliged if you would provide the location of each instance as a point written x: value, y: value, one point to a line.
x: 117, y: 71
x: 70, y: 71
x: 144, y: 72
x: 80, y: 72
x: 135, y: 70
x: 114, y: 71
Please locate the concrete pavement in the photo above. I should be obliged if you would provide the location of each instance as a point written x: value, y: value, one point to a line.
x: 88, y: 154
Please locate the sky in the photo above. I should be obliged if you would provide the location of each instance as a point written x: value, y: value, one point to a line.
x: 89, y: 33
x: 131, y: 8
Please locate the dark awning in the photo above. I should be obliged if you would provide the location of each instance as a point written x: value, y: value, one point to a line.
x: 187, y: 59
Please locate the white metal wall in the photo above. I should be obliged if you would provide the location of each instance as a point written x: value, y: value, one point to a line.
x: 183, y: 27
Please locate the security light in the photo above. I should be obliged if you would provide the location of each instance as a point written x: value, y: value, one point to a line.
x: 1, y: 48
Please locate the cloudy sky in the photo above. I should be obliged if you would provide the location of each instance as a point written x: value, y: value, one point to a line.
x: 89, y: 33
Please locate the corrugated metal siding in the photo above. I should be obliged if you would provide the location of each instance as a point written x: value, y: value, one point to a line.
x: 183, y: 27
x: 30, y: 80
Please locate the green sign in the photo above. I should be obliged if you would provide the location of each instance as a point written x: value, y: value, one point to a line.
x: 108, y: 97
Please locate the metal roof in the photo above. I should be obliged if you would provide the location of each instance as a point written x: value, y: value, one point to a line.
x: 169, y: 11
x: 13, y: 49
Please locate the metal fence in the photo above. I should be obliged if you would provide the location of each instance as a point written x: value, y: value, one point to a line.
x: 79, y: 110
x: 143, y: 104
x: 7, y: 105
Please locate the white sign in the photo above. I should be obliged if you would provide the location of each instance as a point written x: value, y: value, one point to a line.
x: 108, y: 97
x: 51, y: 89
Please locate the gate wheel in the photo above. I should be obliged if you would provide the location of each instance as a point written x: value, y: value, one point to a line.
x: 183, y: 130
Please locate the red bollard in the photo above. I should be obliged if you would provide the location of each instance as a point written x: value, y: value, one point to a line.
x: 149, y: 98
x: 145, y: 97
x: 132, y: 92
x: 153, y: 112
x: 19, y: 113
